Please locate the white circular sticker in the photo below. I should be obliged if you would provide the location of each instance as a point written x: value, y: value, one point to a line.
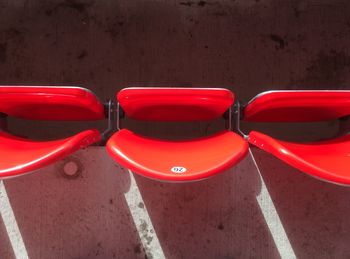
x: 178, y: 169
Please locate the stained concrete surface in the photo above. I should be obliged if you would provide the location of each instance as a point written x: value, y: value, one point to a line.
x: 89, y: 217
x: 247, y: 46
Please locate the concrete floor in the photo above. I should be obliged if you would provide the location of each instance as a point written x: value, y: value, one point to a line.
x: 247, y: 46
x: 107, y: 213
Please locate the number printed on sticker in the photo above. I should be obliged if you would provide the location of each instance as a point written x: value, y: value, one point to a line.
x: 178, y: 169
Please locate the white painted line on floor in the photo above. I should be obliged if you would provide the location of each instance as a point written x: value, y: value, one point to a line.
x: 11, y: 225
x: 272, y: 219
x: 142, y: 221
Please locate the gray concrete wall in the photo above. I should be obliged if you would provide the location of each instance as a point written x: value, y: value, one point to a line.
x: 247, y: 46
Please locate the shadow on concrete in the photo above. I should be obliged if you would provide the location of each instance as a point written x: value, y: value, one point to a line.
x: 86, y: 217
x: 90, y: 217
x: 314, y: 213
x: 214, y: 218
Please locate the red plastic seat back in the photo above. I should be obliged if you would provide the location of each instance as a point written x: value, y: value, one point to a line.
x: 298, y: 106
x: 175, y: 104
x: 50, y: 103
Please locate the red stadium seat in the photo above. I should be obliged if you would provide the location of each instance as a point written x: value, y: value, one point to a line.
x: 327, y: 160
x: 176, y: 160
x: 19, y: 156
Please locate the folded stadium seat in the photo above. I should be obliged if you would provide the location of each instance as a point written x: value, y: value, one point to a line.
x: 18, y: 155
x: 326, y: 160
x: 176, y: 160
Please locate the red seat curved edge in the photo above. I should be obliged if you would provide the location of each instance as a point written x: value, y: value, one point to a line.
x: 19, y: 156
x: 50, y: 103
x: 177, y: 160
x: 298, y: 106
x: 326, y: 160
x: 175, y: 104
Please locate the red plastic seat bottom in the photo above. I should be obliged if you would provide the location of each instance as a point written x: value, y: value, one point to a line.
x: 19, y: 156
x: 327, y: 160
x: 177, y: 160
